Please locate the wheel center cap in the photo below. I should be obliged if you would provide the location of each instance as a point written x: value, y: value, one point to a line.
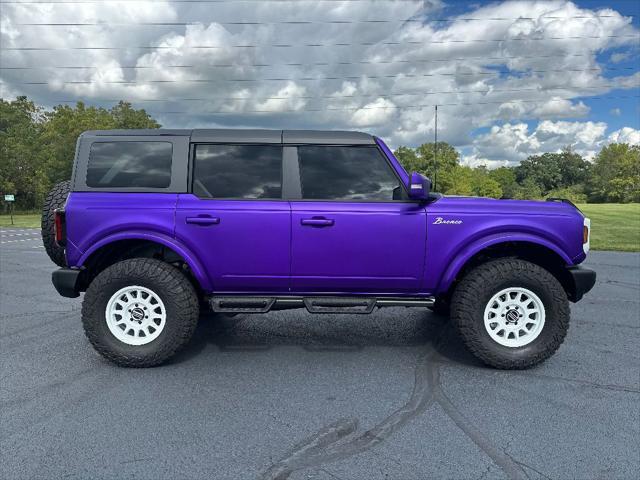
x: 512, y: 316
x: 137, y: 314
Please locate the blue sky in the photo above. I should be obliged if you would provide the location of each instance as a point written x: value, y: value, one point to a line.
x: 511, y: 78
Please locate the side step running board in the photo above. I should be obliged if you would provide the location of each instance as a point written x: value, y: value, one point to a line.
x: 339, y: 305
x: 250, y: 304
x: 241, y: 304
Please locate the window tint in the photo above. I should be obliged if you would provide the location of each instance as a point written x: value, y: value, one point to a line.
x: 130, y: 164
x: 238, y: 171
x: 346, y: 173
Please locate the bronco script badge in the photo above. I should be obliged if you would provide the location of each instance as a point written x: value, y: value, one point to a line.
x: 440, y: 220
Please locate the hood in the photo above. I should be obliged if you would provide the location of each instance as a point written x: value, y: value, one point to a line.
x: 457, y: 204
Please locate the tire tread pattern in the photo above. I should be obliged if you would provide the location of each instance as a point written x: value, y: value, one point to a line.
x: 56, y: 198
x: 176, y: 289
x: 477, y: 283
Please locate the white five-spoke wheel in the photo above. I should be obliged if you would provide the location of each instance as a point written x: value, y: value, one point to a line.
x: 135, y: 315
x: 514, y: 317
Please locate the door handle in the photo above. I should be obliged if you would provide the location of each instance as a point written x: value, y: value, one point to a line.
x: 317, y: 222
x: 203, y: 220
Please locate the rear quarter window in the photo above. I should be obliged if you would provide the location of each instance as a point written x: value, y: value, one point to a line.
x: 129, y: 165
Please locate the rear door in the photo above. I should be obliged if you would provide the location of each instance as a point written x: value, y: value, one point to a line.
x: 353, y: 228
x: 235, y: 217
x: 125, y: 185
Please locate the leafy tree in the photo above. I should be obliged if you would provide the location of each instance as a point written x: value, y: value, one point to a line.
x: 408, y: 158
x: 423, y: 159
x: 506, y: 178
x: 573, y: 168
x: 65, y: 123
x: 575, y: 193
x: 553, y: 170
x: 456, y: 181
x: 38, y: 147
x: 543, y: 170
x: 485, y: 186
x: 21, y: 171
x: 447, y: 157
x: 528, y: 190
x: 125, y: 116
x: 60, y: 134
x: 616, y: 174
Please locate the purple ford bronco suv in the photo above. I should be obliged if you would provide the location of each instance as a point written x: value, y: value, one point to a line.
x: 156, y: 224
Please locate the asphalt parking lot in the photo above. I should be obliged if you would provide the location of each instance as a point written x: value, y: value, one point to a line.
x: 289, y: 395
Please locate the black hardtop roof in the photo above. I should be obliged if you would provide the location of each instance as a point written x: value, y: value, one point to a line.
x: 226, y: 135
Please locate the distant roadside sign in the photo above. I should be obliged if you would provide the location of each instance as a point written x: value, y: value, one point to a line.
x: 9, y: 198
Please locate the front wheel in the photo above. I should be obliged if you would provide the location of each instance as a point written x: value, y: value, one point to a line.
x: 510, y: 313
x: 140, y: 312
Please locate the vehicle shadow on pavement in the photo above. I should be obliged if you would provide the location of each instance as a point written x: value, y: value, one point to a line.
x: 431, y: 335
x: 326, y: 333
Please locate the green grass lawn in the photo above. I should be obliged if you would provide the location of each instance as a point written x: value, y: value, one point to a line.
x: 29, y: 220
x: 614, y: 226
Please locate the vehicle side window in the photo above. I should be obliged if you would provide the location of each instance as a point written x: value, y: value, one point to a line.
x: 130, y: 164
x: 346, y: 173
x: 238, y: 171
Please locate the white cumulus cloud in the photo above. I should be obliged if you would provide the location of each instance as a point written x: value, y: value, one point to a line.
x: 329, y: 66
x: 511, y: 143
x: 625, y: 135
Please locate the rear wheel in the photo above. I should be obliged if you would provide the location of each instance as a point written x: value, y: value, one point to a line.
x: 510, y: 313
x: 140, y: 312
x: 56, y: 198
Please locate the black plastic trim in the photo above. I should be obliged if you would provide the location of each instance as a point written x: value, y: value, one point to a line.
x: 228, y: 135
x: 139, y: 132
x: 339, y: 305
x: 583, y: 281
x: 65, y: 280
x: 291, y: 188
x: 241, y: 304
x: 314, y: 304
x: 326, y: 137
x: 238, y: 135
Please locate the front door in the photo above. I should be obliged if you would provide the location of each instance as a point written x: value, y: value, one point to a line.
x: 235, y: 219
x: 354, y: 230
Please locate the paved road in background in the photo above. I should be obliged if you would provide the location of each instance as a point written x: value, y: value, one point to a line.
x: 291, y: 395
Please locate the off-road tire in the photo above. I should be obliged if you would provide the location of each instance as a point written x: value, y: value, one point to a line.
x: 476, y: 289
x: 55, y: 199
x: 169, y: 283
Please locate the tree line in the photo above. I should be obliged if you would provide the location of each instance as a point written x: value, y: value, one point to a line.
x: 612, y: 177
x: 38, y: 146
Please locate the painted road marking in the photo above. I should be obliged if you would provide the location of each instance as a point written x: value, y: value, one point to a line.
x: 3, y: 234
x: 21, y: 240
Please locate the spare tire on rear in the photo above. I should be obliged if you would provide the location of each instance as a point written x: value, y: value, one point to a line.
x: 56, y: 199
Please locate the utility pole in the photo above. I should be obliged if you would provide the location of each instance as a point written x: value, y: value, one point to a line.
x: 435, y: 153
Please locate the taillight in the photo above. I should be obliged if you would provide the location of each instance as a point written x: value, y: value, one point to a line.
x: 60, y: 230
x: 585, y: 234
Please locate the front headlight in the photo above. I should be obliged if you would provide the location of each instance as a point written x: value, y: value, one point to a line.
x: 586, y: 234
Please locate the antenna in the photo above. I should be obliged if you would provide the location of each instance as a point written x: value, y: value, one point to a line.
x: 435, y: 154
